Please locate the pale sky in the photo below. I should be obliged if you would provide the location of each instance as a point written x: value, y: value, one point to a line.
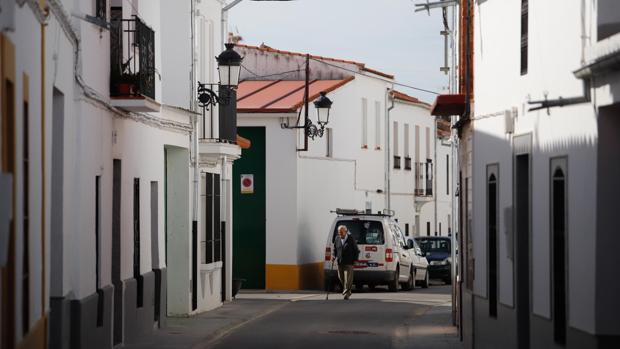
x: 387, y: 35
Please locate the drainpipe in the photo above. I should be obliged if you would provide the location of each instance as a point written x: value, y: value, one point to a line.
x: 435, y: 189
x: 388, y: 171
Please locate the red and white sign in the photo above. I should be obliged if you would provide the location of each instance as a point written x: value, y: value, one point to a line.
x: 247, y: 184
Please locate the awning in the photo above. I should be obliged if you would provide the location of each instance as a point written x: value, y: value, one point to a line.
x: 244, y: 143
x: 448, y: 105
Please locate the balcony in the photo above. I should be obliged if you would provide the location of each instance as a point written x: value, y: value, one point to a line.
x: 132, y: 64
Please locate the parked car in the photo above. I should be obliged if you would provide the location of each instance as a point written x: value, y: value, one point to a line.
x: 385, y: 257
x: 438, y: 253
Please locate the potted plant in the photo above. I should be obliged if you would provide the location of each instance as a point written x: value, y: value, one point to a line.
x: 125, y: 83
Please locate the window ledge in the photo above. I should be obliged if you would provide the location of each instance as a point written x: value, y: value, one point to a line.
x: 211, y: 266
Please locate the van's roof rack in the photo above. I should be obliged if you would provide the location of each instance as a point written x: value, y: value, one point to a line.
x: 354, y: 212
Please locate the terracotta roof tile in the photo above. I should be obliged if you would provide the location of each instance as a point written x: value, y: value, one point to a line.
x: 280, y: 96
x: 405, y: 97
x: 362, y: 66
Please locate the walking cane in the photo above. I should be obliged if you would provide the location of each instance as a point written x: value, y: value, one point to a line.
x: 329, y: 282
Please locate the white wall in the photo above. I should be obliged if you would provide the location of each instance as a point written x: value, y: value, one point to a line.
x: 569, y: 131
x: 281, y: 188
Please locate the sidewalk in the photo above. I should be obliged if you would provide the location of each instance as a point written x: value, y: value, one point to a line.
x: 200, y: 330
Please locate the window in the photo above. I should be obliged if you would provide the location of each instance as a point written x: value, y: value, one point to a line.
x: 26, y: 220
x: 396, y: 152
x: 395, y: 137
x: 524, y: 35
x: 558, y: 248
x: 407, y: 154
x: 428, y: 228
x: 429, y: 177
x: 439, y: 228
x: 406, y: 229
x: 101, y: 9
x: 428, y: 142
x: 329, y: 143
x: 212, y: 235
x: 364, y: 232
x: 447, y: 174
x: 364, y: 123
x: 492, y: 220
x: 378, y: 125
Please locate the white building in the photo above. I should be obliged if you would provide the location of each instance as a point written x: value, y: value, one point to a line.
x: 296, y: 182
x: 539, y: 168
x: 109, y: 232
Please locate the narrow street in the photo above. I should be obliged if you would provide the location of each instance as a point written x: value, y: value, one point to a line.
x: 370, y: 319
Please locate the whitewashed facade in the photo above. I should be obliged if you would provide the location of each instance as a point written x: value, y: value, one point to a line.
x: 539, y: 202
x: 107, y: 225
x: 344, y: 169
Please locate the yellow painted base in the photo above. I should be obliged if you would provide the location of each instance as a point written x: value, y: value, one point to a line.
x: 294, y: 277
x: 36, y: 337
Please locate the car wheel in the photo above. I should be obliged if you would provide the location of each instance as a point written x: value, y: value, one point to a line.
x: 393, y: 284
x: 425, y: 282
x: 410, y: 284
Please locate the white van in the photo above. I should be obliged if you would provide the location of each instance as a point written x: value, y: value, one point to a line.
x: 385, y: 256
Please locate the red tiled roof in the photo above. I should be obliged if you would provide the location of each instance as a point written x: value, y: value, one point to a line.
x: 280, y: 96
x: 362, y: 66
x: 405, y: 97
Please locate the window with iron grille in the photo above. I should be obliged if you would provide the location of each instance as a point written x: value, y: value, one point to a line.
x: 132, y: 56
x: 397, y: 162
x: 212, y: 236
x: 408, y: 163
x: 429, y: 177
x: 524, y: 35
x: 101, y: 9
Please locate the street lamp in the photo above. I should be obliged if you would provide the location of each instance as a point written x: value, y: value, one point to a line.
x: 229, y: 68
x: 323, y: 105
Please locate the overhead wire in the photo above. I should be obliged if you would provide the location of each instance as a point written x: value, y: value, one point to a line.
x: 383, y: 79
x: 270, y: 75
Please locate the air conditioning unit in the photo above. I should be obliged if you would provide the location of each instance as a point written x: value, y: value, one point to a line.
x: 7, y: 15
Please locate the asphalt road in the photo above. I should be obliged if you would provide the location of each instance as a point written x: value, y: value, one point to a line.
x: 370, y: 319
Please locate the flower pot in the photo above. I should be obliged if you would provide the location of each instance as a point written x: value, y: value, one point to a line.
x: 125, y: 89
x: 236, y: 286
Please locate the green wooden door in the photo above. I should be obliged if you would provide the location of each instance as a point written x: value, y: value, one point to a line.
x: 249, y: 212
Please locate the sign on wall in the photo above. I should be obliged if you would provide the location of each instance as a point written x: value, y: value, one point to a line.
x: 247, y: 184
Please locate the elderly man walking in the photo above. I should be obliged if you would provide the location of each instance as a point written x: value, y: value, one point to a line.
x: 346, y: 253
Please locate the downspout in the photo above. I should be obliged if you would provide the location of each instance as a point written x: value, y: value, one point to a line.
x: 196, y: 170
x: 43, y: 188
x: 435, y: 188
x: 388, y: 172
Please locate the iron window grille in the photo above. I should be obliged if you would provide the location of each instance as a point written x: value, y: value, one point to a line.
x: 132, y: 56
x: 397, y: 162
x: 524, y: 35
x: 408, y: 163
x: 101, y: 9
x: 429, y: 177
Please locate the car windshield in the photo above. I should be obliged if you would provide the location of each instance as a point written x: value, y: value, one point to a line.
x: 434, y: 245
x: 364, y: 232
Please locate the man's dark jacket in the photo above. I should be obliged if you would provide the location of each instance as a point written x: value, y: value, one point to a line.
x: 348, y: 253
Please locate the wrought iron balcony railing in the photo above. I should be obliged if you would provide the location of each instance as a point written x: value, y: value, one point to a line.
x: 132, y: 57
